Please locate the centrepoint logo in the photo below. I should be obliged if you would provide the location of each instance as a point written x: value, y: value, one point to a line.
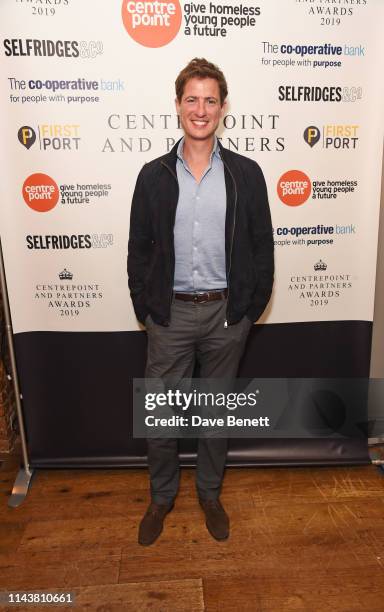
x: 152, y: 24
x: 294, y: 188
x: 40, y: 192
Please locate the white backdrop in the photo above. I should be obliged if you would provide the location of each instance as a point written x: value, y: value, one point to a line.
x: 124, y: 116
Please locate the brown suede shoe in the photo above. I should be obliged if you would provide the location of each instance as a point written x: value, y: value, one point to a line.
x: 217, y: 520
x: 151, y: 524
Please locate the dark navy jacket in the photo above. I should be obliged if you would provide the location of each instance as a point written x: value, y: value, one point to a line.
x: 248, y: 238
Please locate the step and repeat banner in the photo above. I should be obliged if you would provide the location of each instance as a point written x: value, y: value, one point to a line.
x: 87, y: 97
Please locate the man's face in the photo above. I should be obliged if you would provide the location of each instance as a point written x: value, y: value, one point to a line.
x: 200, y: 109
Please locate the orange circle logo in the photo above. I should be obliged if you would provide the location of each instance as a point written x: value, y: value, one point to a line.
x: 40, y: 192
x: 294, y: 188
x: 152, y: 23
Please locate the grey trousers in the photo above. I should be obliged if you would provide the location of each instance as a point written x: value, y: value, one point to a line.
x: 196, y: 331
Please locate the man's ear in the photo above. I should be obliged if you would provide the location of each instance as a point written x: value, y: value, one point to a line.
x: 223, y: 108
x: 177, y: 104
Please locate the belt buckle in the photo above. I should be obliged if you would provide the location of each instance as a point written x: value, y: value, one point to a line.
x: 196, y: 299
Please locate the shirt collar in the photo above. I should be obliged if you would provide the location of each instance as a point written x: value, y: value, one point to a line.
x: 215, y: 150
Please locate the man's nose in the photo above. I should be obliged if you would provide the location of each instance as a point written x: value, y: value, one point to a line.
x: 200, y: 110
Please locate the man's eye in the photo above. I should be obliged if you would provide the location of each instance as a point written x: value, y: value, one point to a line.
x: 212, y: 101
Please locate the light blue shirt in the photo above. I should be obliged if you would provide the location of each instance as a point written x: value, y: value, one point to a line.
x: 199, y: 231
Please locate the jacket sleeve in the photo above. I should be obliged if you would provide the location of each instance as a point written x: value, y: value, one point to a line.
x: 263, y: 246
x: 139, y: 247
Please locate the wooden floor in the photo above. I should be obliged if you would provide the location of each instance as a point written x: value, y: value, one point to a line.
x: 301, y: 539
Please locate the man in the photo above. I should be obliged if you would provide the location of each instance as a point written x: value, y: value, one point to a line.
x: 200, y: 267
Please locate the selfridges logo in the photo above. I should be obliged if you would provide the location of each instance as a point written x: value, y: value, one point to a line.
x: 34, y: 47
x: 244, y: 133
x: 67, y: 296
x: 333, y: 136
x: 156, y: 23
x: 332, y: 12
x: 320, y: 288
x: 51, y: 136
x: 63, y: 242
x: 309, y: 93
x: 42, y: 8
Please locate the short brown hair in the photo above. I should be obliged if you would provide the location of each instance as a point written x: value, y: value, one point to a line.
x: 200, y: 68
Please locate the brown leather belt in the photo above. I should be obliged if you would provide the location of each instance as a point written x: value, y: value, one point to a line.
x: 206, y: 296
